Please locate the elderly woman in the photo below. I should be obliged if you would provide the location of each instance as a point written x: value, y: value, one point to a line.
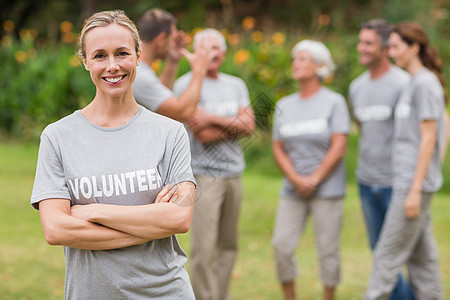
x: 309, y: 142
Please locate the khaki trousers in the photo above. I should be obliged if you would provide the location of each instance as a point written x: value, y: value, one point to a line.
x: 407, y: 242
x: 214, y: 235
x: 290, y: 222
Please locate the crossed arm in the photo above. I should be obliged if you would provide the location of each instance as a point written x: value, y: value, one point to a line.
x: 103, y: 226
x: 212, y: 128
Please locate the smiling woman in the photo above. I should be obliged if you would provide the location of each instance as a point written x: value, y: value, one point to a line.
x: 97, y: 193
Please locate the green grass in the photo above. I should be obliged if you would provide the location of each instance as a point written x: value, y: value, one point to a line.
x: 30, y: 269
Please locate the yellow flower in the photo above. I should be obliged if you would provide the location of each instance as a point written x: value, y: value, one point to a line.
x: 6, y: 41
x: 187, y: 39
x: 265, y: 74
x: 257, y: 36
x: 156, y: 65
x: 233, y: 39
x: 75, y: 61
x: 68, y: 37
x: 25, y: 34
x: 248, y: 23
x: 8, y: 26
x: 33, y: 33
x: 196, y: 30
x: 329, y: 79
x: 278, y: 38
x: 241, y: 56
x: 224, y: 32
x: 324, y: 19
x: 20, y: 56
x: 65, y: 27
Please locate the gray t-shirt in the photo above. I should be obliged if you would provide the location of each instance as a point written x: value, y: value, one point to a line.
x: 422, y: 99
x: 373, y: 102
x: 305, y: 127
x: 222, y: 97
x: 148, y: 90
x: 127, y: 165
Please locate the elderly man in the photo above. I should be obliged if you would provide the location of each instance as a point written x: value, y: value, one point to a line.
x: 223, y: 115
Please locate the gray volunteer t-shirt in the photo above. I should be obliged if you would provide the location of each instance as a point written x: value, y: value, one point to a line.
x: 222, y: 97
x: 148, y: 90
x: 305, y: 127
x: 422, y: 99
x: 373, y: 102
x: 127, y: 165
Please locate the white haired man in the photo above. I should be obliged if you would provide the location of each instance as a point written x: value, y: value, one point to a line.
x: 223, y: 116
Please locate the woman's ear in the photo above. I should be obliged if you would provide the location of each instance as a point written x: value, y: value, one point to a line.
x: 85, y: 64
x: 416, y: 48
x: 138, y: 57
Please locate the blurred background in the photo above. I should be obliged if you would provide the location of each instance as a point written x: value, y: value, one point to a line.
x: 41, y: 80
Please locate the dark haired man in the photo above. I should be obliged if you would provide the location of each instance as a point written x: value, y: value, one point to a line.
x: 374, y: 95
x: 160, y: 39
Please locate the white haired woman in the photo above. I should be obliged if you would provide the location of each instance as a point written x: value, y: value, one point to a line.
x: 309, y: 142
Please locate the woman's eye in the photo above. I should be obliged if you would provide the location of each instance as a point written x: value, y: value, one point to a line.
x: 123, y: 53
x: 98, y: 55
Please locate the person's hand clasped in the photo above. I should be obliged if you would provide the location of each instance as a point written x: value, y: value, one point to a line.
x: 305, y: 186
x: 412, y: 204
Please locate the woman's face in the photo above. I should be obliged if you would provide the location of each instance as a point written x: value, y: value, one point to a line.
x: 111, y: 59
x: 400, y: 51
x: 303, y: 66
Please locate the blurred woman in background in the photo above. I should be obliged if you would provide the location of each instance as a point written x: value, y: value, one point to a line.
x: 309, y: 142
x: 407, y: 238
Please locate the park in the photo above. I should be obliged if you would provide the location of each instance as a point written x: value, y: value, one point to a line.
x: 43, y: 80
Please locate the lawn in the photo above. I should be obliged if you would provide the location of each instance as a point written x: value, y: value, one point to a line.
x: 30, y: 269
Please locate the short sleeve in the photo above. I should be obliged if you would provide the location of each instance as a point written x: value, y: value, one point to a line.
x: 50, y: 180
x: 179, y: 163
x: 429, y: 102
x: 148, y: 90
x: 245, y: 98
x: 275, y: 125
x: 340, y: 118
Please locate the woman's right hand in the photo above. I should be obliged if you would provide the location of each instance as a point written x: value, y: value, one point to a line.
x: 412, y: 204
x: 305, y: 186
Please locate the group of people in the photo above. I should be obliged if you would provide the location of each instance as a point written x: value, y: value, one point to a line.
x: 149, y: 156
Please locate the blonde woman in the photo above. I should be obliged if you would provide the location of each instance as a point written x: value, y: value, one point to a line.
x: 102, y: 180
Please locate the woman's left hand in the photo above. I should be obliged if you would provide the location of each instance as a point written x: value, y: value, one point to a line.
x: 83, y: 212
x: 412, y: 204
x: 168, y: 193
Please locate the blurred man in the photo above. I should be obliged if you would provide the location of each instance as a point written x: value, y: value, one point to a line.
x: 223, y: 115
x: 374, y: 95
x: 161, y: 40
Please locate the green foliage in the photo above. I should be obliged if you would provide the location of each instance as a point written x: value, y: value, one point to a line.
x: 39, y: 86
x: 31, y: 269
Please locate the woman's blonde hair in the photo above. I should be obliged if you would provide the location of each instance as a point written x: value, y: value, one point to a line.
x: 106, y: 18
